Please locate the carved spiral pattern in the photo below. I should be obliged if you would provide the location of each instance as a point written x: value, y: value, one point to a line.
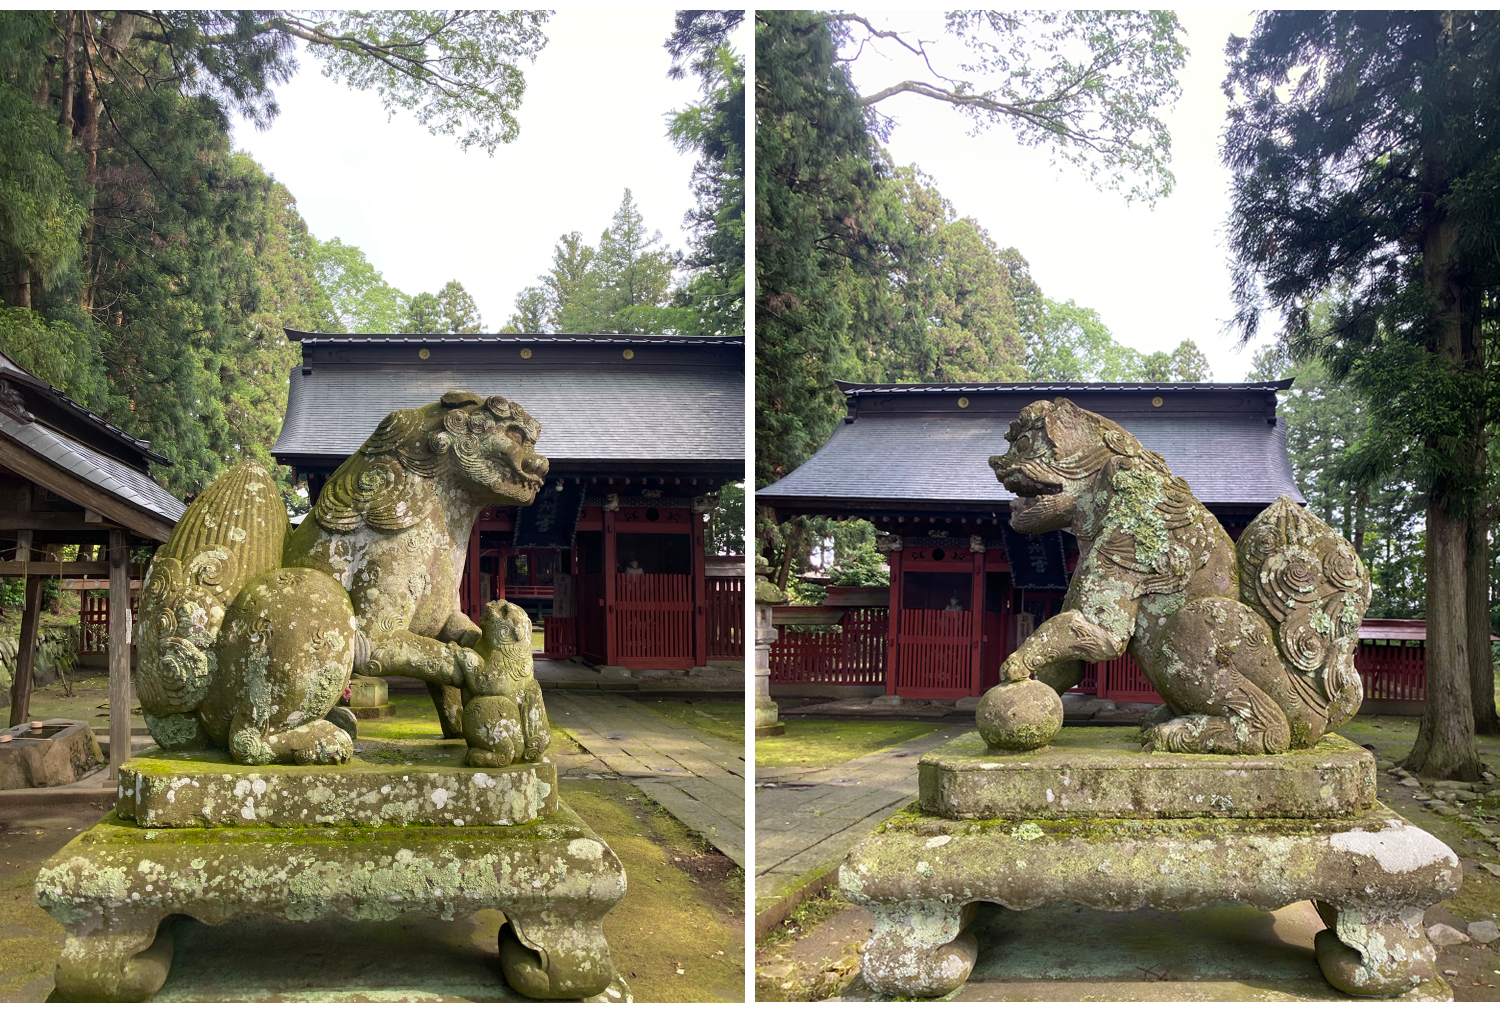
x: 1301, y: 644
x: 181, y: 676
x: 1342, y: 568
x: 213, y: 568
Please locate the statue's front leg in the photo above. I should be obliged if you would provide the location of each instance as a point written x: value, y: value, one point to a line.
x: 1055, y: 652
x: 441, y: 665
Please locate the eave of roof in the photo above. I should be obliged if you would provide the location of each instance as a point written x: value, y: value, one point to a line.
x: 9, y: 370
x: 849, y: 387
x: 101, y: 472
x: 669, y: 339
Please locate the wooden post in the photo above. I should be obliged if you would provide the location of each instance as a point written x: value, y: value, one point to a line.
x: 976, y: 606
x: 119, y: 653
x: 31, y: 594
x: 610, y: 646
x: 892, y: 648
x: 700, y: 592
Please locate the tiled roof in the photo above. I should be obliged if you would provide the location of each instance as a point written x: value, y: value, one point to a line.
x: 9, y: 370
x: 945, y: 458
x: 111, y: 476
x: 585, y: 414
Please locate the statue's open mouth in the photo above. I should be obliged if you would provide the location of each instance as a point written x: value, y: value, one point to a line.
x: 1029, y: 486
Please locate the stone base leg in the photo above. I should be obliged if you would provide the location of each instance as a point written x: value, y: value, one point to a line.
x: 556, y: 956
x: 921, y: 948
x: 129, y: 965
x: 1374, y: 954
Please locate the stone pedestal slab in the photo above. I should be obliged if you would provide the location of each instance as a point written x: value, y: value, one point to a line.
x: 388, y: 783
x: 1102, y: 772
x: 1372, y: 876
x: 112, y: 886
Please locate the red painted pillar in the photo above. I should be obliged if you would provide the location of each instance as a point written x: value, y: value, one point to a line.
x: 610, y: 647
x: 471, y: 574
x: 700, y: 593
x: 892, y: 637
x: 502, y: 563
x: 976, y: 614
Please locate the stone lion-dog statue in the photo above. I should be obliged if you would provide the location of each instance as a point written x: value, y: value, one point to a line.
x: 249, y: 631
x: 1252, y: 646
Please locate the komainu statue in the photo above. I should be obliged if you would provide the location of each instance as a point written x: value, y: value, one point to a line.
x: 1252, y: 648
x: 249, y: 632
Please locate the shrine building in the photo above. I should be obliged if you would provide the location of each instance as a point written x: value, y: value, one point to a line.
x: 641, y: 432
x: 965, y: 588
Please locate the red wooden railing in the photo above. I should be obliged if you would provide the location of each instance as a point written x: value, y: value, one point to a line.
x: 1397, y: 673
x: 93, y: 621
x: 725, y: 610
x: 559, y: 636
x: 935, y: 652
x: 654, y: 620
x: 1121, y: 680
x: 850, y: 653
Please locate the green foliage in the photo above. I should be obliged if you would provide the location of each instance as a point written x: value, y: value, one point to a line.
x: 145, y: 268
x: 715, y: 128
x: 363, y: 302
x: 1360, y: 142
x: 1326, y: 420
x: 725, y: 532
x: 1087, y: 85
x: 451, y: 311
x: 814, y: 166
x: 621, y: 286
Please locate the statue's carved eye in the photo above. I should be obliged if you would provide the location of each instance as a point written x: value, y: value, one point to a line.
x: 1023, y: 443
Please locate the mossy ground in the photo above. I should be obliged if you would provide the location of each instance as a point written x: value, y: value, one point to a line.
x: 721, y: 717
x: 819, y: 744
x: 85, y: 697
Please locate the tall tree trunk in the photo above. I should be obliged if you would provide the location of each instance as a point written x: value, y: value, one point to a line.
x: 1444, y: 748
x: 1361, y: 521
x: 69, y: 74
x: 1477, y: 617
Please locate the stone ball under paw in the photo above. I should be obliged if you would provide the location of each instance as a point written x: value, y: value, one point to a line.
x: 1019, y: 716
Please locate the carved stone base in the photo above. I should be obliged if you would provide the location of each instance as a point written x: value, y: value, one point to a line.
x: 1372, y: 876
x: 112, y: 887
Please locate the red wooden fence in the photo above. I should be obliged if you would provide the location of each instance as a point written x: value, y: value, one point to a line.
x: 559, y: 636
x: 935, y: 653
x: 725, y: 607
x: 1396, y: 673
x: 850, y: 653
x: 93, y: 621
x: 654, y: 620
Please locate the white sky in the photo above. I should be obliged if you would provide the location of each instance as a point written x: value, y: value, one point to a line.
x: 593, y: 122
x: 1155, y: 276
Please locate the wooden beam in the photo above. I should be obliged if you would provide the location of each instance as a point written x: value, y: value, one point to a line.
x: 20, y: 686
x: 50, y: 568
x: 53, y: 520
x: 119, y: 653
x: 48, y: 475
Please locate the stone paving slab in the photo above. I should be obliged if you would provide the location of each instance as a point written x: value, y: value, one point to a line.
x: 697, y: 776
x: 804, y: 829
